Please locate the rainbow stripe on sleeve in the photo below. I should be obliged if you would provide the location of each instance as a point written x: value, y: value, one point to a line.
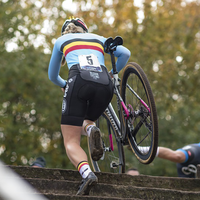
x: 77, y: 44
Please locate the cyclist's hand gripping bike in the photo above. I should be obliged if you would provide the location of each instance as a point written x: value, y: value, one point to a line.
x: 134, y: 124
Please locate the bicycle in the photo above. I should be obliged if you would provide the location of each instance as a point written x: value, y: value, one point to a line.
x: 136, y: 124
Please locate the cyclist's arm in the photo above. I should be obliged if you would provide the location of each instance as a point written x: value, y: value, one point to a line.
x: 54, y: 67
x: 177, y: 156
x: 122, y: 54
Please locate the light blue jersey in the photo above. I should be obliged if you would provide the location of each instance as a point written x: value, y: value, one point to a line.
x: 75, y: 46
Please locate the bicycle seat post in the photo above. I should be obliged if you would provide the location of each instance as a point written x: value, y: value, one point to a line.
x: 113, y: 62
x: 115, y: 72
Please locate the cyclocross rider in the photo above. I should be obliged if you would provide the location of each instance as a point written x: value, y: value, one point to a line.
x: 186, y: 158
x: 87, y: 92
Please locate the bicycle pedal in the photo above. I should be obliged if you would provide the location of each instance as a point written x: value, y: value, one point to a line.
x: 113, y: 165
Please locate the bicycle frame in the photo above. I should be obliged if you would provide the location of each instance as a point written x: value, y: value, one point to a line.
x: 116, y: 124
x: 128, y: 124
x: 111, y: 112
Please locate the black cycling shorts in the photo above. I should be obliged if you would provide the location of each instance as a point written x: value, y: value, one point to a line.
x: 87, y: 95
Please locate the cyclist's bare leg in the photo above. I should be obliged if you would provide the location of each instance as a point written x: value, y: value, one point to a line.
x: 72, y: 138
x: 78, y: 157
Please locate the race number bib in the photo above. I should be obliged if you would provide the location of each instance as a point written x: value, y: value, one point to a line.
x: 89, y: 62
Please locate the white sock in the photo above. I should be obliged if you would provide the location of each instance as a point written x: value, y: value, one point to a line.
x: 84, y: 169
x: 143, y: 149
x: 88, y: 128
x: 146, y: 149
x: 157, y: 152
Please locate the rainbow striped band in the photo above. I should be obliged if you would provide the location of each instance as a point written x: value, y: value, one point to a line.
x: 81, y: 164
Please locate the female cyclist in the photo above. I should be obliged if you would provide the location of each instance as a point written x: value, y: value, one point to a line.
x: 87, y: 92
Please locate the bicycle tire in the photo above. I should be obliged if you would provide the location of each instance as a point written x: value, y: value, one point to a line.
x: 111, y: 161
x: 142, y: 125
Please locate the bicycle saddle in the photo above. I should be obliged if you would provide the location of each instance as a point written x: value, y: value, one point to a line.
x: 110, y: 44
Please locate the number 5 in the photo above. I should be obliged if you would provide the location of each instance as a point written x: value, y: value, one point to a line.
x: 89, y: 60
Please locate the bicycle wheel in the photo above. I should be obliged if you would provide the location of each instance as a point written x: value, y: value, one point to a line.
x: 113, y: 159
x: 141, y: 124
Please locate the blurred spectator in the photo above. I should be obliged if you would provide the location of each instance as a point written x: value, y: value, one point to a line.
x: 39, y: 162
x: 133, y: 172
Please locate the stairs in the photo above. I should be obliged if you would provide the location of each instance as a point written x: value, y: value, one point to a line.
x: 59, y: 184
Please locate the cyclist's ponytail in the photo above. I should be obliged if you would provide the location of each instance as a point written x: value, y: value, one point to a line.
x: 63, y: 60
x: 71, y: 28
